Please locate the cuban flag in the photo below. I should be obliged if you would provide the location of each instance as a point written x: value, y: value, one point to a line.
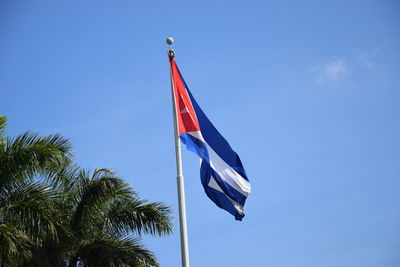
x: 222, y: 174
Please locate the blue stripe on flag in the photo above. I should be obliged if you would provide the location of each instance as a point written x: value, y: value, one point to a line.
x: 219, y: 198
x: 228, y: 190
x: 195, y: 145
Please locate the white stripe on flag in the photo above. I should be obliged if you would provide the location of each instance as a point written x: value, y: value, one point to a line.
x: 213, y: 184
x: 226, y: 172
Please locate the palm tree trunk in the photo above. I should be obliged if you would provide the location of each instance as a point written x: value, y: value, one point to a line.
x: 73, y: 262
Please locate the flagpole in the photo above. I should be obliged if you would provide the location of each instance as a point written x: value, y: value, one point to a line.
x: 179, y: 176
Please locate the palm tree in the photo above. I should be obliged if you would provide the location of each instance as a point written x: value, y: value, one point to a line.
x: 104, y: 215
x: 53, y: 213
x: 28, y: 214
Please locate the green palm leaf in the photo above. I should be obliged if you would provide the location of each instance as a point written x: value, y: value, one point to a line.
x: 15, y: 246
x: 130, y: 214
x: 27, y: 155
x: 31, y: 207
x: 116, y: 252
x: 96, y: 193
x: 3, y: 123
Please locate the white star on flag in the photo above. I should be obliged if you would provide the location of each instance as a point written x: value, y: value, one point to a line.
x: 185, y: 110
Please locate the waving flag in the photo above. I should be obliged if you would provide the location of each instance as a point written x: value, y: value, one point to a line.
x: 222, y: 174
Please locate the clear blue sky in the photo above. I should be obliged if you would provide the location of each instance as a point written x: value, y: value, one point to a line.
x: 307, y: 93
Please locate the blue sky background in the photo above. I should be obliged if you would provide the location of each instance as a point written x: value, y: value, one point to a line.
x: 307, y: 93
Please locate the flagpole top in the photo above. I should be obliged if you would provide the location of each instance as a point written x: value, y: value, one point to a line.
x: 171, y: 52
x: 170, y: 40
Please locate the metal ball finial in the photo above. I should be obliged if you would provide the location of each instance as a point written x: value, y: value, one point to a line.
x: 170, y: 40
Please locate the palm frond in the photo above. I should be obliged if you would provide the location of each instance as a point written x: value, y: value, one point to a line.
x: 3, y: 124
x: 102, y: 172
x: 116, y: 252
x: 46, y: 256
x: 95, y: 195
x: 31, y: 207
x: 66, y: 178
x: 29, y: 154
x: 130, y: 214
x: 15, y: 246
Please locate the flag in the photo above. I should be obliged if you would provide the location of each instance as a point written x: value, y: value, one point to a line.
x: 222, y: 174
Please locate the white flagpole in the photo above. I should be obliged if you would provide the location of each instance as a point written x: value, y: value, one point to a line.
x: 179, y: 176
